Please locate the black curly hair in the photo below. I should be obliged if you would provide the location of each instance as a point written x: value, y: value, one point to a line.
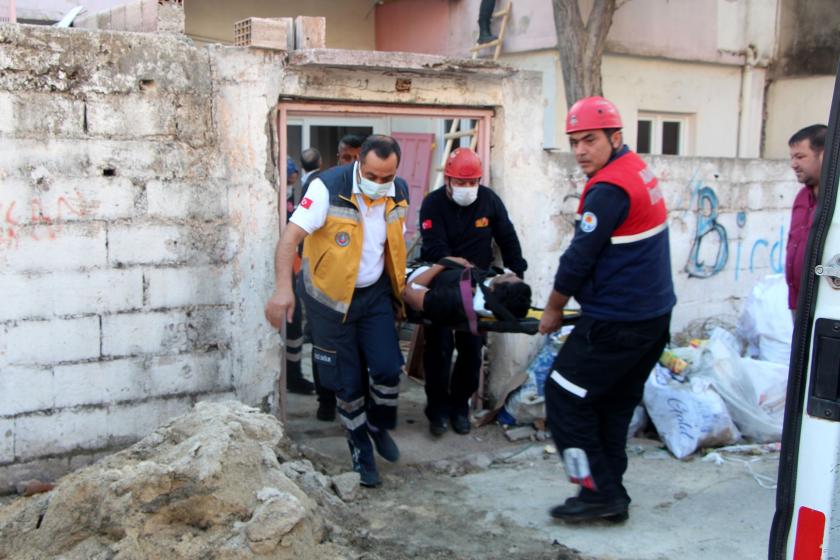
x: 515, y: 296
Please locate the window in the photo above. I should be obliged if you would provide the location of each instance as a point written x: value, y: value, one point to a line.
x: 663, y: 133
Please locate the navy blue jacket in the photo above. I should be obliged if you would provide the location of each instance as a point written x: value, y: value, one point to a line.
x: 615, y: 282
x: 450, y: 230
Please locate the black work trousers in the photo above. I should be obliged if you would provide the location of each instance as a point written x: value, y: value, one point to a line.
x: 597, y: 380
x: 449, y: 395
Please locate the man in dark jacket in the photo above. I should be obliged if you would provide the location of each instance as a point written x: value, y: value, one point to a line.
x: 462, y: 219
x: 618, y: 268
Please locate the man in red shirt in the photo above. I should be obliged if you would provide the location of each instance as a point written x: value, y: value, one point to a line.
x: 806, y: 153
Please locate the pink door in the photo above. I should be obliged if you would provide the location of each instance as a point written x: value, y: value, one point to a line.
x: 415, y: 166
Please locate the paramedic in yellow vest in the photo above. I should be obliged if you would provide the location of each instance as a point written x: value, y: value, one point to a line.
x: 351, y: 223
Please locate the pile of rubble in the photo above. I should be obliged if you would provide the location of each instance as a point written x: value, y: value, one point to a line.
x: 220, y: 482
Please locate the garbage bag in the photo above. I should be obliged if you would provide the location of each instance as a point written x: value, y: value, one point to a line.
x: 765, y: 321
x: 753, y: 390
x: 527, y: 403
x: 688, y: 414
x: 638, y: 422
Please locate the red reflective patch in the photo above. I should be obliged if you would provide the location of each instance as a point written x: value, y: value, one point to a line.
x: 810, y: 530
x: 306, y: 202
x: 427, y: 224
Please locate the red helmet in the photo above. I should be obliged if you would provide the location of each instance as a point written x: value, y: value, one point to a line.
x: 463, y: 163
x: 591, y: 113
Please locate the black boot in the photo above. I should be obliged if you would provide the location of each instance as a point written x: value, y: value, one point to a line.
x: 361, y: 453
x: 298, y: 384
x: 384, y: 443
x: 485, y: 14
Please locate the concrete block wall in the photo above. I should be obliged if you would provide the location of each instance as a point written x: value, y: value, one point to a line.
x: 148, y: 16
x: 118, y: 246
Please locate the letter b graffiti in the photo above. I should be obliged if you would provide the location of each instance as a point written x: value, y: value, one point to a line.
x: 710, y: 231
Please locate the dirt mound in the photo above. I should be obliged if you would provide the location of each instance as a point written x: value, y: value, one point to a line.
x: 206, y: 485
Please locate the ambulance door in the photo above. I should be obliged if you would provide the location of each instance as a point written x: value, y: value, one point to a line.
x: 806, y: 525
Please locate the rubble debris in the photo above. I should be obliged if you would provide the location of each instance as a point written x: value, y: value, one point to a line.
x: 207, y: 484
x: 522, y: 432
x: 31, y: 487
x: 346, y: 485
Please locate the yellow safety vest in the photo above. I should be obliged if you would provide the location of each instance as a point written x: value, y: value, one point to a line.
x: 332, y: 253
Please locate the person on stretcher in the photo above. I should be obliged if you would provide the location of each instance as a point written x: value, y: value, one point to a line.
x: 434, y: 291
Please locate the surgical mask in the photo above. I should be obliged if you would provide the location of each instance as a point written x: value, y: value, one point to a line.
x: 373, y: 189
x: 464, y: 196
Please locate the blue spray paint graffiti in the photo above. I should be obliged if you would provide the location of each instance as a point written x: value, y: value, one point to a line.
x: 707, y: 225
x: 709, y: 230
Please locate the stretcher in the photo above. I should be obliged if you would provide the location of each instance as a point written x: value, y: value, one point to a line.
x: 502, y: 321
x: 527, y: 325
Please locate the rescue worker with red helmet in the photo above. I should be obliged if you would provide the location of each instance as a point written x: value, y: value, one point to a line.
x: 462, y: 219
x: 618, y: 268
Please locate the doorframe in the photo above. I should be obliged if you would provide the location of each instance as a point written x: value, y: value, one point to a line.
x: 286, y: 109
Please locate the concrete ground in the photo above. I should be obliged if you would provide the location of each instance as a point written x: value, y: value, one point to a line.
x: 481, y: 497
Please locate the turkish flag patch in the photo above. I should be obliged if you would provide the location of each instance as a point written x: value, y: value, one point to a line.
x: 306, y: 202
x: 427, y: 224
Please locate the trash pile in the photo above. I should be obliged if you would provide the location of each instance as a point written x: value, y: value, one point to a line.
x: 706, y: 394
x: 219, y: 482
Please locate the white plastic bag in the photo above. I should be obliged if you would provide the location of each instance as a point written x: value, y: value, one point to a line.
x: 687, y: 415
x: 753, y: 390
x: 527, y: 403
x: 765, y: 322
x: 638, y: 422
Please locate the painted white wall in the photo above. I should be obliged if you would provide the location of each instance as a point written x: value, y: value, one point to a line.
x: 793, y: 103
x: 547, y: 62
x: 708, y: 93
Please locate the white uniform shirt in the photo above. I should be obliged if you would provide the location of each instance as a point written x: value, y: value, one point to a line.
x: 311, y: 214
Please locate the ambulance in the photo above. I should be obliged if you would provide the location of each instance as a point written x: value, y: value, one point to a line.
x: 806, y: 524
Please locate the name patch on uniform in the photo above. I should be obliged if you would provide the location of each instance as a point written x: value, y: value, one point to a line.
x: 323, y: 356
x: 482, y: 222
x: 306, y: 202
x: 655, y: 195
x: 342, y: 239
x: 646, y: 175
x: 588, y: 222
x: 427, y: 224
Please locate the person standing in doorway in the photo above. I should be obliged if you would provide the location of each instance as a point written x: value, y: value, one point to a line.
x: 351, y: 222
x: 310, y: 161
x: 295, y: 381
x: 618, y: 268
x: 348, y: 148
x: 347, y: 153
x: 462, y: 219
x: 806, y: 154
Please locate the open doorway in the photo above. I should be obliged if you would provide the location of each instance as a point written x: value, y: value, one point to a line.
x: 425, y: 135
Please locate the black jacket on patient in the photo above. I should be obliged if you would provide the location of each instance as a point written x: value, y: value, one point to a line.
x: 442, y: 304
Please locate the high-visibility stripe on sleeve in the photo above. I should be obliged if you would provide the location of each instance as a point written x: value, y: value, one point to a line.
x: 619, y: 239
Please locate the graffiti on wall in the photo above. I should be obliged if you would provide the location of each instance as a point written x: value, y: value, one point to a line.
x: 709, y: 254
x: 37, y: 220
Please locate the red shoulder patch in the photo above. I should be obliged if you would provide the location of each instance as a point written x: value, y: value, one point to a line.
x: 306, y: 202
x: 427, y: 224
